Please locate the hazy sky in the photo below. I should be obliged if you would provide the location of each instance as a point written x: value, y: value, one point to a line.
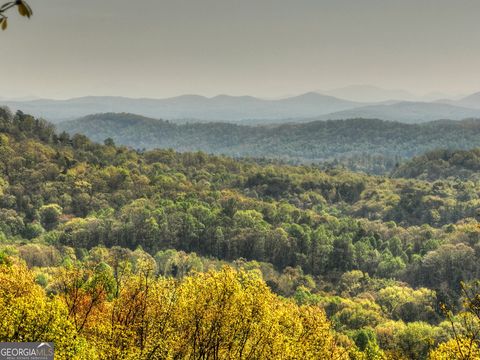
x: 158, y: 48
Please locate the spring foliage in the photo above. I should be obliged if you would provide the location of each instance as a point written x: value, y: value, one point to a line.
x: 111, y: 234
x: 214, y: 315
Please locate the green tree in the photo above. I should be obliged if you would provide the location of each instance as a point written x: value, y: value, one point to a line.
x: 50, y: 215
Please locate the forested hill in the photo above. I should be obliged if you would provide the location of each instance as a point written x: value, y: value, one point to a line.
x: 379, y: 255
x: 442, y: 164
x: 360, y: 144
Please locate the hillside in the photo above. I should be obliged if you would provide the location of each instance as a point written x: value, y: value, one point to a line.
x: 442, y: 164
x: 360, y: 144
x: 110, y: 233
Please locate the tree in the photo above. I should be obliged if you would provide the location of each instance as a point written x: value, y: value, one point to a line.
x: 49, y: 215
x: 23, y: 9
x: 459, y: 348
x: 416, y: 340
x: 465, y: 343
x: 29, y: 315
x: 84, y: 291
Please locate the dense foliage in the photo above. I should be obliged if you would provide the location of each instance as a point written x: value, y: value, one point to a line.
x: 441, y: 164
x: 98, y: 314
x: 379, y: 255
x: 373, y: 146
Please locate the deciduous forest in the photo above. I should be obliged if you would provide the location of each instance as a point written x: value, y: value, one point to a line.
x: 369, y: 145
x: 120, y: 253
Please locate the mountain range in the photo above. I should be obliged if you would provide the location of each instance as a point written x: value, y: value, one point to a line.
x: 252, y: 110
x: 218, y: 108
x: 371, y: 94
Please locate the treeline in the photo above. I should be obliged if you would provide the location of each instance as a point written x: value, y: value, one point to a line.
x: 319, y: 229
x: 373, y: 146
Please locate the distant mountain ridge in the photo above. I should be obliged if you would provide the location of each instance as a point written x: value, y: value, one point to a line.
x: 370, y: 94
x: 361, y: 144
x: 407, y: 112
x: 472, y: 101
x: 218, y: 108
x: 251, y: 110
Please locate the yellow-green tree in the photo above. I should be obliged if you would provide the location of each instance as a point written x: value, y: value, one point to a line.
x: 460, y: 348
x: 28, y: 315
x: 225, y: 314
x: 465, y: 326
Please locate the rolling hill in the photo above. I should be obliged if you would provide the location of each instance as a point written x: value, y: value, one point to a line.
x: 361, y: 144
x: 442, y: 164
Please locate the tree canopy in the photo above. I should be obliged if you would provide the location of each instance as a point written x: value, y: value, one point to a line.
x: 100, y: 228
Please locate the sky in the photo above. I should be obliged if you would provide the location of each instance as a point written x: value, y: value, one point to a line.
x: 266, y: 48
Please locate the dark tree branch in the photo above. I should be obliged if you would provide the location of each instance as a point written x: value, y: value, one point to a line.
x: 23, y: 9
